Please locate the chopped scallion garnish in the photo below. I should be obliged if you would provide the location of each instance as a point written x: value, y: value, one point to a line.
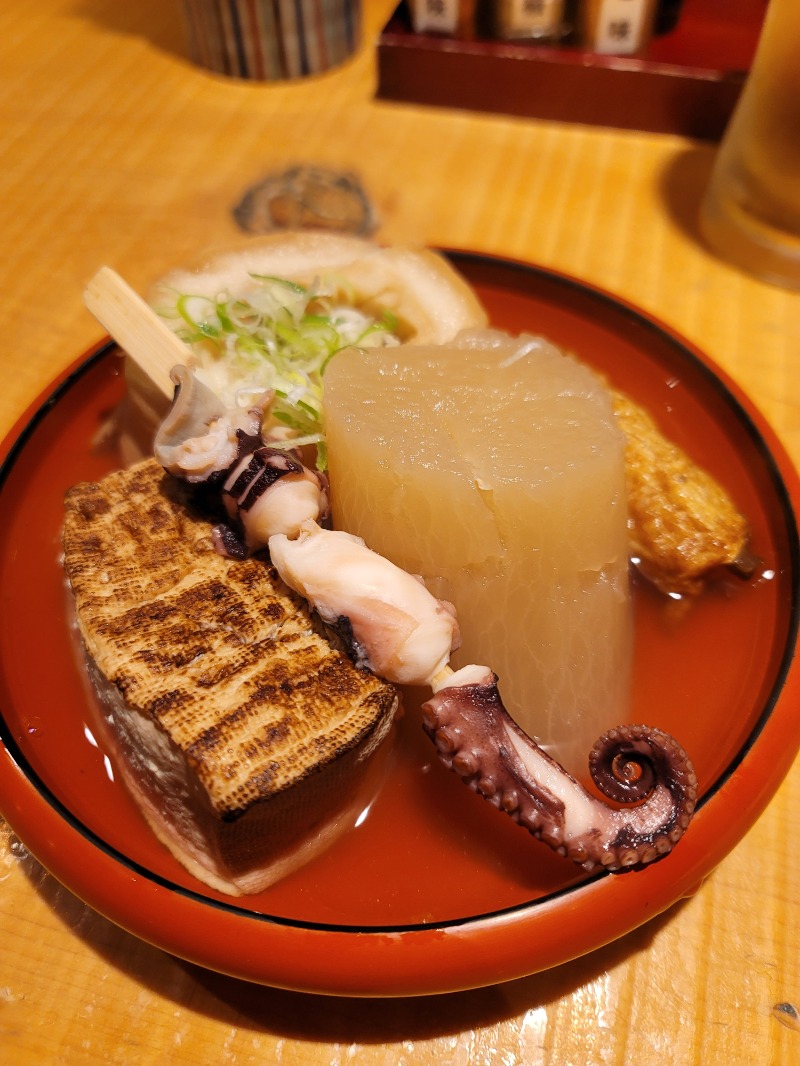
x: 280, y: 335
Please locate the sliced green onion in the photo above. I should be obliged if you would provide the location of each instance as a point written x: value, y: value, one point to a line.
x: 281, y: 336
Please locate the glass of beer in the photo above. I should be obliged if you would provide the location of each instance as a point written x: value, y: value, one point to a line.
x: 751, y: 211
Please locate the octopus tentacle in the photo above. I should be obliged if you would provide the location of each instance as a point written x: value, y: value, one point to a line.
x: 264, y: 489
x: 477, y: 738
x: 200, y: 438
x: 625, y: 762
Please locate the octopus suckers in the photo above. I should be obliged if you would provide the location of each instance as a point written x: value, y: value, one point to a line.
x: 530, y: 821
x: 465, y: 764
x: 445, y: 741
x: 551, y: 836
x: 659, y: 796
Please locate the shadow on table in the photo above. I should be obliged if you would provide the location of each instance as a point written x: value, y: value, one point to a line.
x: 683, y: 183
x: 328, y: 1019
x: 300, y: 1016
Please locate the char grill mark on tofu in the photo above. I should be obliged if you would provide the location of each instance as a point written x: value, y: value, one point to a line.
x: 219, y: 653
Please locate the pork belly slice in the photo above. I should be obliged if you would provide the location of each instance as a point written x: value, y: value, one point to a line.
x: 247, y: 739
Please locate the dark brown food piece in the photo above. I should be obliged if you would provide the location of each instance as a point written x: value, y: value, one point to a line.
x: 682, y: 524
x: 306, y: 197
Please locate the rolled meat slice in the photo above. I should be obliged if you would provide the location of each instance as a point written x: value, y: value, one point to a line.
x: 391, y: 622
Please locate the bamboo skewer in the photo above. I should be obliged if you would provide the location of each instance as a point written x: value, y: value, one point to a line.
x: 440, y: 679
x: 136, y: 327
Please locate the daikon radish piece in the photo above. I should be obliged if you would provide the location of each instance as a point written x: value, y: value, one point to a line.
x: 493, y: 467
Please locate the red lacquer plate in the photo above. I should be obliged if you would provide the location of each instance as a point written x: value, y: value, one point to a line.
x: 434, y: 890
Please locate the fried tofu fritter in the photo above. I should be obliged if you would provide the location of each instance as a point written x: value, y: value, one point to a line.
x: 682, y: 524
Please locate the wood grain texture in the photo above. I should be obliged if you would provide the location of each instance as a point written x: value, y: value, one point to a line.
x: 117, y: 150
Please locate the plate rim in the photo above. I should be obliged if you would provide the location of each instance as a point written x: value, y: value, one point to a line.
x: 456, y: 949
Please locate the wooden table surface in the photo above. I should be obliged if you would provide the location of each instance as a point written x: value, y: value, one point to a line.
x: 116, y: 149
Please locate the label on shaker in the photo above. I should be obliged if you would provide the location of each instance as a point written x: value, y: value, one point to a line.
x: 530, y: 18
x: 435, y: 16
x: 620, y: 26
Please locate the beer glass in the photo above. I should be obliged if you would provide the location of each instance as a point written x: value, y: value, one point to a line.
x: 751, y: 211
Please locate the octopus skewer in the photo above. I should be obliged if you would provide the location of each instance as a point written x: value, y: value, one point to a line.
x: 632, y: 764
x: 264, y: 490
x: 393, y: 626
x: 403, y: 634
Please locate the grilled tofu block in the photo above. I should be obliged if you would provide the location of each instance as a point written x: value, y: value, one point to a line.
x: 247, y: 739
